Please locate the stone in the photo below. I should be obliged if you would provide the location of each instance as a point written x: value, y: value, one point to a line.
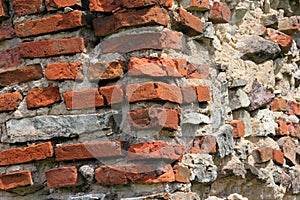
x: 284, y: 41
x: 257, y: 49
x: 99, y: 196
x: 236, y: 196
x: 87, y: 172
x: 238, y: 83
x: 258, y: 96
x: 47, y: 127
x: 269, y: 20
x: 263, y: 123
x: 184, y: 196
x: 203, y: 169
x: 238, y: 99
x: 225, y: 140
x: 289, y: 150
x: 195, y: 118
x: 245, y: 116
x: 262, y: 154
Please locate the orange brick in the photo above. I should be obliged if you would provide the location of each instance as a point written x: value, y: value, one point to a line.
x: 278, y: 157
x: 220, y: 13
x: 238, y: 128
x: 57, y: 4
x: 24, y: 7
x: 203, y: 93
x: 188, y: 23
x: 15, y: 179
x: 41, y: 97
x: 64, y: 71
x: 10, y: 101
x: 113, y: 94
x: 62, y: 177
x: 279, y: 104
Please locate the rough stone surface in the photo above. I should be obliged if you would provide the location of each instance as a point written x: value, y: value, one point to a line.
x: 225, y: 140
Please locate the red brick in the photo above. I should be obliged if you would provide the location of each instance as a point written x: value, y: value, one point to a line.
x: 294, y: 130
x: 153, y: 91
x: 182, y: 173
x: 57, y: 4
x: 110, y: 6
x: 106, y: 70
x: 10, y: 101
x: 24, y: 7
x: 145, y: 118
x: 188, y: 23
x: 220, y: 13
x: 90, y: 98
x: 238, y: 128
x: 289, y: 25
x: 279, y: 104
x: 157, y: 67
x: 54, y: 23
x: 113, y: 94
x: 282, y: 127
x: 47, y: 48
x: 155, y: 150
x: 110, y: 24
x: 15, y: 179
x: 203, y: 93
x: 21, y: 75
x: 109, y: 175
x: 6, y: 30
x: 189, y: 94
x: 284, y: 41
x: 262, y: 154
x: 2, y: 11
x: 88, y: 151
x: 26, y: 154
x: 196, y: 71
x: 62, y: 177
x: 195, y: 5
x: 64, y: 71
x: 206, y: 144
x: 134, y: 42
x: 278, y: 157
x: 10, y: 58
x: 293, y: 108
x: 41, y: 97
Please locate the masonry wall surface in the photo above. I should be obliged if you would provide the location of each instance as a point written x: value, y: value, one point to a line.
x: 149, y: 99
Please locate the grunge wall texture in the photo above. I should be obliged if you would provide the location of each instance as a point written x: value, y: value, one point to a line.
x: 149, y: 99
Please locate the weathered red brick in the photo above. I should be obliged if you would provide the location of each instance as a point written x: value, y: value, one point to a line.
x: 182, y: 173
x: 157, y: 67
x: 113, y: 94
x: 110, y: 24
x: 188, y: 23
x: 282, y: 127
x: 220, y: 13
x: 195, y: 5
x: 54, y: 23
x: 10, y: 58
x: 189, y: 94
x: 293, y: 108
x: 64, y: 71
x: 238, y: 128
x: 6, y: 30
x: 155, y: 150
x: 62, y: 177
x: 153, y: 91
x: 289, y: 25
x: 284, y: 41
x: 2, y: 11
x: 10, y: 101
x: 21, y: 75
x: 90, y: 98
x: 279, y: 104
x: 278, y: 157
x: 106, y: 70
x: 203, y: 93
x: 206, y: 144
x: 26, y: 154
x: 41, y: 97
x: 57, y: 4
x: 145, y: 118
x: 88, y: 151
x: 15, y: 179
x: 262, y: 154
x: 109, y: 175
x: 135, y: 42
x: 24, y: 7
x: 110, y: 6
x: 196, y: 71
x: 47, y: 48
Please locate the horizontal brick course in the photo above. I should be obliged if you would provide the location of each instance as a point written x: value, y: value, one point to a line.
x: 10, y: 101
x: 88, y: 151
x: 10, y: 58
x: 62, y: 177
x: 24, y: 7
x: 110, y: 24
x: 113, y: 94
x: 64, y: 71
x: 54, y: 23
x: 47, y: 48
x: 21, y: 75
x: 188, y: 23
x: 106, y: 70
x: 15, y: 179
x: 26, y: 154
x: 6, y: 30
x: 57, y: 4
x: 41, y: 97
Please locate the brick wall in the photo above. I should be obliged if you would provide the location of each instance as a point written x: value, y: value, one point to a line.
x: 122, y: 99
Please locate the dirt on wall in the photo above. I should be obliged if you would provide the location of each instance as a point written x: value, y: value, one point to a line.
x: 164, y: 99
